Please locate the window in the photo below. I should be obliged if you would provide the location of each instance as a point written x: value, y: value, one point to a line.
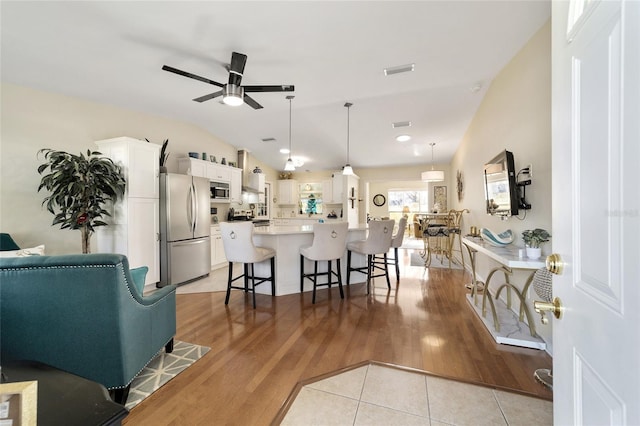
x: 311, y: 198
x: 417, y: 201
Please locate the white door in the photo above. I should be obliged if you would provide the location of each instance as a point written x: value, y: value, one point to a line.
x: 596, y: 211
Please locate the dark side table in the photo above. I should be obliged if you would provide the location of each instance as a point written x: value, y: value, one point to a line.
x: 64, y: 398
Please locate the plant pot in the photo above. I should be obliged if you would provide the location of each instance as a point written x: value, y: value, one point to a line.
x: 534, y: 252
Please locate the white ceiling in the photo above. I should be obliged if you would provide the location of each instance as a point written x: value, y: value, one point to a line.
x: 333, y: 52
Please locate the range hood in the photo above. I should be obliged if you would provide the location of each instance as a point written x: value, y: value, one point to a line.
x: 250, y: 185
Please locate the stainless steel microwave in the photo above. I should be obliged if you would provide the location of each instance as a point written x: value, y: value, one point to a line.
x: 219, y: 191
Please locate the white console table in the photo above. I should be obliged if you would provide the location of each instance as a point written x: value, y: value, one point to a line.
x: 507, y: 327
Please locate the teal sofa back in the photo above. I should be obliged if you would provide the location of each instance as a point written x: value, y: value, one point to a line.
x: 82, y: 314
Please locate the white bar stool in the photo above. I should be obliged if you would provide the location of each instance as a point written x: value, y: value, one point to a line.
x: 329, y: 242
x: 237, y: 239
x: 396, y: 242
x: 378, y: 242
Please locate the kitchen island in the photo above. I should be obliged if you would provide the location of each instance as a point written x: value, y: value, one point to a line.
x: 286, y: 240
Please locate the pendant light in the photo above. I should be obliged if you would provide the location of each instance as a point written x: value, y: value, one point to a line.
x: 433, y: 175
x: 347, y: 170
x: 289, y: 166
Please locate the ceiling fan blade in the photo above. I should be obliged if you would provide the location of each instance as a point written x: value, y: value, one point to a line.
x: 280, y: 88
x: 236, y: 69
x: 252, y: 102
x: 190, y: 75
x: 209, y: 96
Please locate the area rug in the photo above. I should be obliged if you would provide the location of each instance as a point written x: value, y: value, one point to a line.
x: 163, y: 368
x: 436, y: 262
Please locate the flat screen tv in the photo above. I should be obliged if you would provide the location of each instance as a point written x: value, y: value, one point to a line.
x: 500, y: 190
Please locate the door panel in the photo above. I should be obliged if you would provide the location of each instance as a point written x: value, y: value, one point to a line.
x: 178, y: 207
x: 596, y: 211
x: 202, y: 211
x: 189, y: 259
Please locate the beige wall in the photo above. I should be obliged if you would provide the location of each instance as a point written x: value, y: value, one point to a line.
x: 514, y: 115
x: 33, y: 119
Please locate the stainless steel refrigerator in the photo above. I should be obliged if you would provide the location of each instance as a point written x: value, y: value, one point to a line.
x: 185, y: 228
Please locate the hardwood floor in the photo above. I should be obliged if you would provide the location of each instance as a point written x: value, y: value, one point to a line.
x: 258, y: 356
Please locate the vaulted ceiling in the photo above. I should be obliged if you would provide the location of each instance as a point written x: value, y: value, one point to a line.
x: 333, y: 52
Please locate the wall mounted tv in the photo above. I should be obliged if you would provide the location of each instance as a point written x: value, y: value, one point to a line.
x: 500, y: 190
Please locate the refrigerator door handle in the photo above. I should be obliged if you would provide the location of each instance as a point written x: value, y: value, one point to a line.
x: 195, y: 204
x: 192, y: 198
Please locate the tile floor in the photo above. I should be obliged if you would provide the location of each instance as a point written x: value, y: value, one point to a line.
x: 380, y: 395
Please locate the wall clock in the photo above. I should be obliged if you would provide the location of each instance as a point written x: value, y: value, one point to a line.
x: 379, y: 200
x: 460, y: 185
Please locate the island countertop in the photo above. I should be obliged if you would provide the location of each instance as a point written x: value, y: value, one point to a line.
x: 287, y: 240
x: 294, y: 229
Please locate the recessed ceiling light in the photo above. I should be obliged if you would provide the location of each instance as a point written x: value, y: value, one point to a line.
x: 284, y: 151
x: 403, y: 138
x: 399, y: 69
x: 401, y: 124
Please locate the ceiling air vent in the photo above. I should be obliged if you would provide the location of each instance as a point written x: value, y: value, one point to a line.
x: 399, y: 69
x: 401, y: 124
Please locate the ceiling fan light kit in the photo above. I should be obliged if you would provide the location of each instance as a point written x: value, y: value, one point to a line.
x: 233, y: 93
x: 432, y: 175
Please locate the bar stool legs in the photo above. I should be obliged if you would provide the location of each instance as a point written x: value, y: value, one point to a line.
x: 249, y: 275
x: 313, y: 277
x: 368, y: 270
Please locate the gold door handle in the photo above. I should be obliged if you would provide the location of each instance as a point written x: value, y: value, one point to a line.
x: 554, y: 307
x: 554, y: 264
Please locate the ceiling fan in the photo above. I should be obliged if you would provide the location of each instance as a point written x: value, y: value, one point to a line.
x: 233, y: 93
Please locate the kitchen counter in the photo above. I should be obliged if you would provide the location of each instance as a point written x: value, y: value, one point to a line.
x: 287, y: 240
x: 293, y: 229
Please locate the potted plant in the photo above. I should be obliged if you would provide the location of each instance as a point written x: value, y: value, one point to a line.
x: 164, y: 155
x: 533, y: 238
x: 80, y: 187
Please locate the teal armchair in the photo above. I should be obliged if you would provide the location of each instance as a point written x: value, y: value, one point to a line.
x: 85, y: 315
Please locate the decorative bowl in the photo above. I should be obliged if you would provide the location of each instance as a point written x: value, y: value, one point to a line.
x: 498, y: 240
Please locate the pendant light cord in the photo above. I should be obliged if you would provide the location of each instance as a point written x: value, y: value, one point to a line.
x: 432, y: 145
x: 290, y: 98
x: 348, y: 105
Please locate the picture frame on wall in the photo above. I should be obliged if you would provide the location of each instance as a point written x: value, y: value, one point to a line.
x: 19, y: 403
x: 440, y: 199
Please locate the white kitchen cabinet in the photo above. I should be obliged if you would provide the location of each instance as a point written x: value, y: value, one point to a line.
x: 134, y: 226
x: 202, y: 168
x: 218, y: 258
x: 327, y: 191
x: 219, y: 172
x: 235, y: 186
x: 214, y: 172
x: 192, y: 166
x: 288, y: 192
x: 346, y: 192
x: 338, y: 187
